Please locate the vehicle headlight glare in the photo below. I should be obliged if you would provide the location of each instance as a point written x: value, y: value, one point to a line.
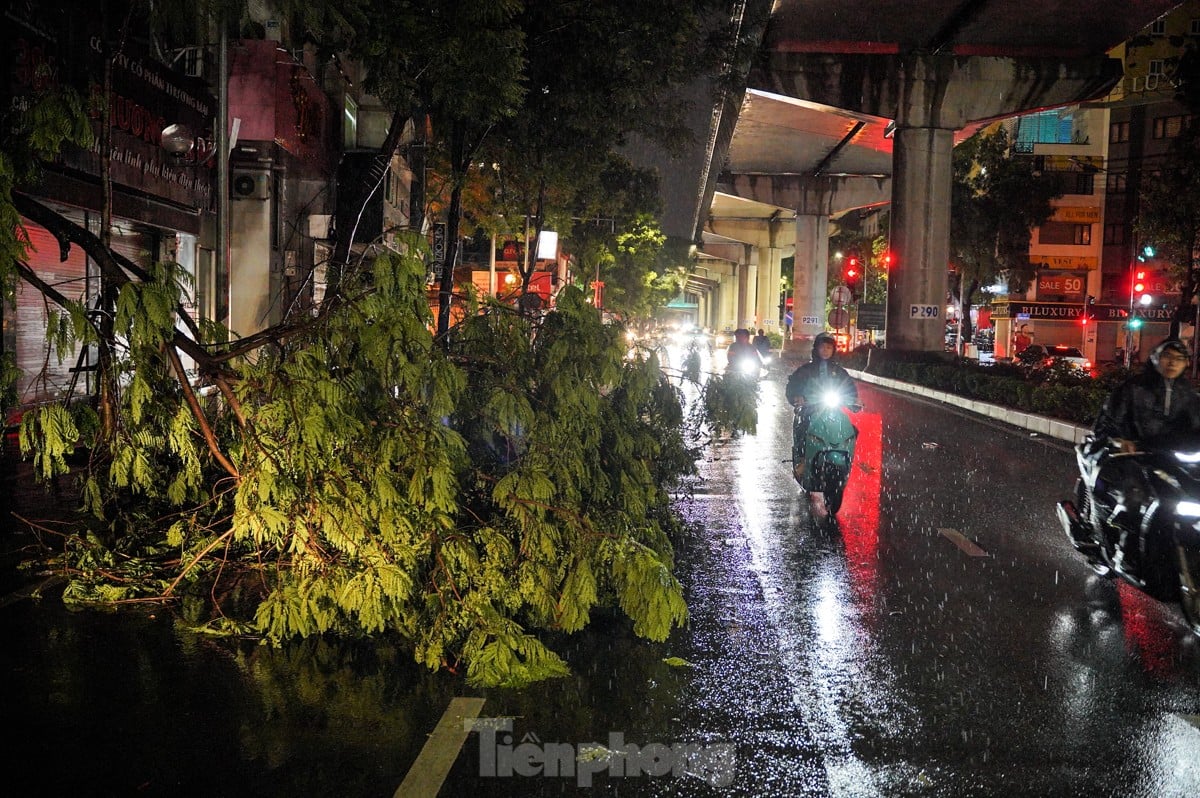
x: 831, y: 398
x: 1188, y: 509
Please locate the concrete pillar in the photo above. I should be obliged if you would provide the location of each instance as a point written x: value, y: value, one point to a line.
x: 749, y: 286
x: 810, y: 278
x: 767, y: 308
x: 727, y: 307
x: 920, y: 238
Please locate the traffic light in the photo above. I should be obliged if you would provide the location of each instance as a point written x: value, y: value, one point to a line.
x: 1140, y: 287
x: 852, y: 275
x: 1135, y: 322
x: 888, y: 260
x: 1089, y: 311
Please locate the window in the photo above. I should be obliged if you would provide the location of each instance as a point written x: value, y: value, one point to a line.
x: 1168, y: 127
x: 1194, y: 27
x: 1045, y: 127
x: 350, y: 124
x: 1156, y: 67
x: 1118, y: 133
x: 1065, y: 233
x: 1158, y: 27
x: 1114, y: 234
x: 1116, y: 183
x: 1085, y: 183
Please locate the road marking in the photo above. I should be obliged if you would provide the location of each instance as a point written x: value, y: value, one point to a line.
x: 426, y: 775
x: 961, y: 541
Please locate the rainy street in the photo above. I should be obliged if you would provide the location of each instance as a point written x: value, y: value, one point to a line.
x: 944, y: 640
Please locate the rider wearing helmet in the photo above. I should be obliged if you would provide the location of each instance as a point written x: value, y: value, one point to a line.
x: 820, y: 374
x: 742, y: 357
x: 806, y: 385
x: 1159, y: 403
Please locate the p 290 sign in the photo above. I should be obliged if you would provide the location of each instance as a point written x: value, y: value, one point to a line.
x: 924, y: 311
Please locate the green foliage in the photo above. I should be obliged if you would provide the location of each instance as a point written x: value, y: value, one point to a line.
x: 730, y: 404
x: 464, y: 501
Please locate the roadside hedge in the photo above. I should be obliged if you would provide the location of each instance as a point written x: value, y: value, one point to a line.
x: 1057, y: 392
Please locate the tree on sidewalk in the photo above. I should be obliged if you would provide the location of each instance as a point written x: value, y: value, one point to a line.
x: 339, y: 473
x: 997, y: 199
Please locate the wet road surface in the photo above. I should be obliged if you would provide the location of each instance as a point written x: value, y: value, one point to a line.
x: 944, y: 640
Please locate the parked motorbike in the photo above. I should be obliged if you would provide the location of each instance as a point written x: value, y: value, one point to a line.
x: 823, y: 440
x: 1137, y: 517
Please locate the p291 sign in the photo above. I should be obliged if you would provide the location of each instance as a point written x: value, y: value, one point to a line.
x: 924, y: 311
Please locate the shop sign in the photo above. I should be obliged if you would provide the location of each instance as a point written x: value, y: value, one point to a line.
x: 1076, y: 215
x: 1061, y: 283
x: 1064, y: 262
x: 1071, y: 311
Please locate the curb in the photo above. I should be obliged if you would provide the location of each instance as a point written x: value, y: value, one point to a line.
x: 1043, y: 425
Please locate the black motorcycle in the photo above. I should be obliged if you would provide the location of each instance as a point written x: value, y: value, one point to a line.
x: 1137, y: 516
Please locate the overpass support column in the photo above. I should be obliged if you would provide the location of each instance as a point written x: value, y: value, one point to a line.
x: 727, y: 304
x: 810, y: 278
x: 747, y: 286
x: 767, y: 309
x: 920, y: 238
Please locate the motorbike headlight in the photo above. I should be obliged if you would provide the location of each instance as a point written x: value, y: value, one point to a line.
x: 748, y: 367
x: 1187, y: 509
x: 1188, y: 457
x: 831, y: 399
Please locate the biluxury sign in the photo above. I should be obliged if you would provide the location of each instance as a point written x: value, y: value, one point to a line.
x: 1063, y: 311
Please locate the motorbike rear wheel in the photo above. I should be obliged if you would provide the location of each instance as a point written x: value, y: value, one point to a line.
x: 1189, y: 586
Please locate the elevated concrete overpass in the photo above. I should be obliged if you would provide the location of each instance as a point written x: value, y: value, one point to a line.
x: 856, y: 103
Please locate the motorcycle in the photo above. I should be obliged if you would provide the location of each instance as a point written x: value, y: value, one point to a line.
x: 823, y: 441
x: 1136, y: 516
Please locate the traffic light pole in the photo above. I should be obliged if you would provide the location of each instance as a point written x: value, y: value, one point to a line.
x: 1129, y: 321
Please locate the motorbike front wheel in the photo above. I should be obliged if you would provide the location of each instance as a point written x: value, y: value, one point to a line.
x: 833, y: 470
x: 1091, y: 548
x: 1189, y: 586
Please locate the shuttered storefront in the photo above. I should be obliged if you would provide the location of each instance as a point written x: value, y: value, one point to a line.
x: 43, y: 377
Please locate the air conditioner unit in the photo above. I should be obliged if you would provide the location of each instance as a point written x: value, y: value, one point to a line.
x: 249, y: 184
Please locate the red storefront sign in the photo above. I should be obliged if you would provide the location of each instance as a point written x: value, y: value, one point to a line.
x: 1061, y: 284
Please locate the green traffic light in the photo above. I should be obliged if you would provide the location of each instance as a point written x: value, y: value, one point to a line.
x: 1135, y: 324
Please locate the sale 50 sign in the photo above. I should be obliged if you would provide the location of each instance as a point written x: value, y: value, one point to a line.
x: 1061, y: 284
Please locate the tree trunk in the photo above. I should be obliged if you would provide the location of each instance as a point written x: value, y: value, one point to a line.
x: 458, y: 173
x: 354, y: 199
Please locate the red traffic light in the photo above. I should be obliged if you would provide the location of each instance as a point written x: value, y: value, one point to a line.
x: 1139, y: 282
x: 887, y: 260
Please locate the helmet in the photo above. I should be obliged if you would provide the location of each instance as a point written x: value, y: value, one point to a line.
x: 823, y: 338
x: 1173, y: 344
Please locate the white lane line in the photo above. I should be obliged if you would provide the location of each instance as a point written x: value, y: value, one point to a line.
x: 961, y: 541
x: 426, y: 775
